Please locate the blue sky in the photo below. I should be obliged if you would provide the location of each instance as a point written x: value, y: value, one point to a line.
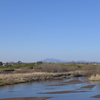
x: 32, y: 30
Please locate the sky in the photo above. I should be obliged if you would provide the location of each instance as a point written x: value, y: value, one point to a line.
x: 32, y: 30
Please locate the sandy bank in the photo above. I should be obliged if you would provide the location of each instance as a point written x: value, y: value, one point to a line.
x: 97, y: 96
x: 59, y: 92
x: 88, y: 86
x: 28, y: 98
x: 74, y: 82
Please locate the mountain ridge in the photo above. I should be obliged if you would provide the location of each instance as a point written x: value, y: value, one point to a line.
x: 53, y: 60
x: 48, y: 60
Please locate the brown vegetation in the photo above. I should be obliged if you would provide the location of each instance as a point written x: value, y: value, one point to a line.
x: 31, y: 72
x: 15, y: 78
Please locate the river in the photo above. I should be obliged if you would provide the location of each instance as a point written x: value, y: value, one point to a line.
x: 77, y: 91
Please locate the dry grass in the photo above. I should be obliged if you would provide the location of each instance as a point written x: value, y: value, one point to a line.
x: 95, y: 77
x: 14, y: 78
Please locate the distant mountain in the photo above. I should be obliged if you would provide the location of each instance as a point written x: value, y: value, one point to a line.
x: 48, y: 60
x: 81, y: 61
x: 53, y: 60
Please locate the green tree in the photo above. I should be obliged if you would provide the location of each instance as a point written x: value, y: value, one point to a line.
x: 1, y: 63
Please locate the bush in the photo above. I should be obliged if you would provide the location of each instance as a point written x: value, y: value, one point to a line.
x: 51, y: 67
x: 1, y: 63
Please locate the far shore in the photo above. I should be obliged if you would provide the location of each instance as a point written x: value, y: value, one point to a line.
x: 16, y: 78
x: 30, y: 72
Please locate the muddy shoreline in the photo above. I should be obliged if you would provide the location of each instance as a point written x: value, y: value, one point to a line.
x: 27, y: 98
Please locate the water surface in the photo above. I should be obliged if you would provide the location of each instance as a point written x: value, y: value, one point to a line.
x: 39, y: 89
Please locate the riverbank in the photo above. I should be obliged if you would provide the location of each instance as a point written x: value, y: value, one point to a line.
x: 16, y: 78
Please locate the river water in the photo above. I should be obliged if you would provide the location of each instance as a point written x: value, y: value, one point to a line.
x: 37, y: 89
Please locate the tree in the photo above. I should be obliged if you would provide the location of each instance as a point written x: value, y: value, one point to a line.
x: 1, y: 63
x: 19, y: 63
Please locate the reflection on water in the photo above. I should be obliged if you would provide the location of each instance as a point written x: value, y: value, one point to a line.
x: 34, y: 90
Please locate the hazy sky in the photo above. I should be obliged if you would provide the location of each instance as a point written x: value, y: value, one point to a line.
x: 32, y: 30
